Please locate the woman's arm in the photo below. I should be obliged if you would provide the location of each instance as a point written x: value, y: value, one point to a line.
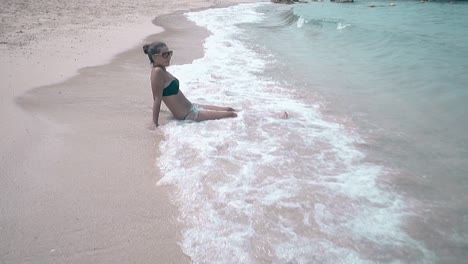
x: 156, y: 109
x: 157, y: 86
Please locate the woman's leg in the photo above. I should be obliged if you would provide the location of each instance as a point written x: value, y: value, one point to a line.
x: 211, y: 115
x: 217, y: 108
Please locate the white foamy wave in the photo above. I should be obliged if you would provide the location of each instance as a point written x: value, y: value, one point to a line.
x: 341, y: 26
x: 300, y: 22
x: 261, y: 188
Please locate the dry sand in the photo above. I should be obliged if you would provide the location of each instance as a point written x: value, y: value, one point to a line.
x: 78, y: 151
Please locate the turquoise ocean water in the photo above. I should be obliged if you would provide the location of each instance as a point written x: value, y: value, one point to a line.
x: 352, y: 142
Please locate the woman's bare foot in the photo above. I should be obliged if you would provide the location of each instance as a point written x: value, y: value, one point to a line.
x: 284, y: 115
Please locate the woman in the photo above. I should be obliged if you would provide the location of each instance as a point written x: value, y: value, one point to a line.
x: 166, y: 88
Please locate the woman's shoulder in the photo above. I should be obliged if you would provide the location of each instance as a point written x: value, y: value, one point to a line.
x: 159, y: 73
x: 159, y: 70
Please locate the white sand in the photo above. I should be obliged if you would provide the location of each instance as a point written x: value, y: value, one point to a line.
x: 78, y: 160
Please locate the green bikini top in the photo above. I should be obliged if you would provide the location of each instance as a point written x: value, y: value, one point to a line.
x: 172, y: 88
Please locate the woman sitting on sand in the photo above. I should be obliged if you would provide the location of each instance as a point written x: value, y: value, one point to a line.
x: 166, y: 87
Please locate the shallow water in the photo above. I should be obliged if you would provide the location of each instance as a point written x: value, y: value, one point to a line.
x: 350, y: 142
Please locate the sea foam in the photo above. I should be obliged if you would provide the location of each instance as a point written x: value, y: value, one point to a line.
x: 264, y: 187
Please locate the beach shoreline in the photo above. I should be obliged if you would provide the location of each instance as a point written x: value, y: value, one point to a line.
x: 79, y: 152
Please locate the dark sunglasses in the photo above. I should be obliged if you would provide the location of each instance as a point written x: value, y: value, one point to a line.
x: 166, y: 54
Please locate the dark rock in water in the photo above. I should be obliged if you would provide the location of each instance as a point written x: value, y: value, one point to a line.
x: 283, y: 1
x: 307, y: 1
x: 291, y: 1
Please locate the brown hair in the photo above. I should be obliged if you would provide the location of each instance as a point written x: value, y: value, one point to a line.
x: 152, y: 49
